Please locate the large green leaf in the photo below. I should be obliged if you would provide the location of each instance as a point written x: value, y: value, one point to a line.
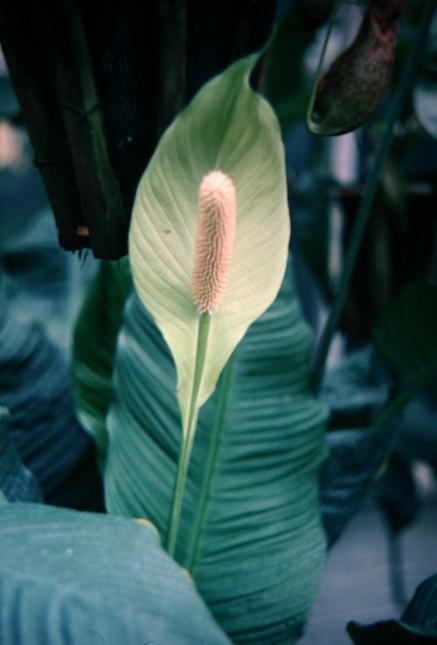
x: 69, y: 578
x: 231, y: 128
x: 250, y: 530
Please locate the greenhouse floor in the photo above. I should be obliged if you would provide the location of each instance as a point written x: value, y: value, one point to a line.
x: 356, y: 581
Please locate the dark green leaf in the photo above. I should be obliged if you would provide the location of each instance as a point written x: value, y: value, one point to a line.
x: 95, y: 338
x: 286, y: 84
x: 406, y: 336
x: 76, y: 578
x: 418, y: 623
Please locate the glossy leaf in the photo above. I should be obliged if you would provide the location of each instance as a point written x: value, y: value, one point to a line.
x: 227, y: 127
x: 250, y: 530
x: 69, y: 577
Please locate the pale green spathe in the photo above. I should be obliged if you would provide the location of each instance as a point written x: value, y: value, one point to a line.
x: 228, y: 127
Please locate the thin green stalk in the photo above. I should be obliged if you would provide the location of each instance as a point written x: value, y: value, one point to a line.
x: 368, y: 197
x: 188, y: 433
x: 210, y: 467
x: 179, y: 488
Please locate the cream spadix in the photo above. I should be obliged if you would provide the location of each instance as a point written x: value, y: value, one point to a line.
x: 214, y: 240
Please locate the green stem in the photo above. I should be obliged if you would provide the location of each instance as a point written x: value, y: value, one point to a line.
x: 210, y: 467
x: 369, y: 197
x: 188, y: 433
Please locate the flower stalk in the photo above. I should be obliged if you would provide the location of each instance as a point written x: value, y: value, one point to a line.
x: 212, y: 261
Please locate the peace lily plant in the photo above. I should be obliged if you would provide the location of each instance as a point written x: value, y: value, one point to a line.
x: 195, y: 386
x: 206, y: 426
x: 209, y: 238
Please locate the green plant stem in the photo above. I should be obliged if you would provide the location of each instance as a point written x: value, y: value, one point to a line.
x: 188, y: 433
x: 369, y: 197
x: 210, y: 466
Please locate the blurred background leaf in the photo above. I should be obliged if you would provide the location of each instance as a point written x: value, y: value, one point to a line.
x: 406, y: 336
x: 40, y: 290
x: 95, y: 338
x: 17, y: 484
